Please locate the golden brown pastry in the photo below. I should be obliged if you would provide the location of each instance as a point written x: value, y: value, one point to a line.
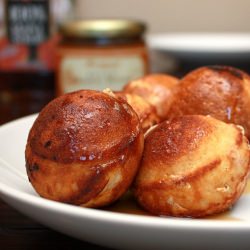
x: 145, y: 111
x: 157, y: 89
x: 84, y: 148
x: 192, y: 166
x: 220, y: 91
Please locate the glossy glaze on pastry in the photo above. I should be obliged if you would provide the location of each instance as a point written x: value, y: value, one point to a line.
x: 84, y: 148
x: 220, y: 91
x: 192, y: 166
x: 157, y: 89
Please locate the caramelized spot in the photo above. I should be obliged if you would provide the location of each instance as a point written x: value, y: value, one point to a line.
x: 34, y: 167
x: 49, y: 190
x: 195, y: 175
x: 201, y: 171
x: 47, y: 144
x: 235, y: 72
x: 239, y: 139
x: 90, y: 188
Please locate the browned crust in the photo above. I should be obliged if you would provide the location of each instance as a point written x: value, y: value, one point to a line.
x: 181, y: 135
x: 58, y: 133
x: 233, y: 71
x: 81, y: 142
x: 157, y: 89
x: 171, y: 183
x: 219, y: 91
x: 165, y: 80
x: 89, y: 179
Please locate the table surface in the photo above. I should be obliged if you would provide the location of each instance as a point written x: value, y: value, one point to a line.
x: 20, y: 232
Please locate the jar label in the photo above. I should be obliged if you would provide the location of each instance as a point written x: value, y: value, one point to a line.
x: 27, y: 22
x: 99, y: 72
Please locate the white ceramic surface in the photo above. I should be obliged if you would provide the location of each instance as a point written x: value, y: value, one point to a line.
x: 202, y: 46
x: 112, y: 229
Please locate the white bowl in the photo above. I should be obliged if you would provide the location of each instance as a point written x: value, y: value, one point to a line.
x: 112, y: 229
x: 203, y: 46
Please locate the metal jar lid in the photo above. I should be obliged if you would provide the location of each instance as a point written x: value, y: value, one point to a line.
x: 102, y: 28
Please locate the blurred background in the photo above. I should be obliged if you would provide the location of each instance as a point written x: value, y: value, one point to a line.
x: 173, y: 15
x: 180, y: 35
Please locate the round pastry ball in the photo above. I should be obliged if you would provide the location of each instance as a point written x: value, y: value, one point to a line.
x: 145, y: 111
x: 157, y: 89
x: 84, y: 148
x: 220, y: 91
x: 192, y: 166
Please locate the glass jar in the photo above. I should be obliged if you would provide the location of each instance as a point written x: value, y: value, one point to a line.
x: 98, y: 54
x: 28, y: 38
